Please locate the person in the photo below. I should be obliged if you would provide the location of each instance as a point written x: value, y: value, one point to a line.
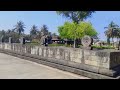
x: 2, y: 40
x: 119, y: 45
x: 46, y: 41
x: 23, y: 40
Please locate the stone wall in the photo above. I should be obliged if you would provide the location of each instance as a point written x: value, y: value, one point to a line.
x: 95, y: 61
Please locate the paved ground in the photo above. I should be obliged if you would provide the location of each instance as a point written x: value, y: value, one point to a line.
x: 15, y: 68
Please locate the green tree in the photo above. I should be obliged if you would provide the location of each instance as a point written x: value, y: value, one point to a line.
x: 117, y: 33
x: 49, y: 34
x: 53, y: 34
x: 2, y: 35
x: 33, y: 31
x: 63, y: 31
x: 76, y: 17
x: 84, y: 28
x: 111, y: 32
x: 19, y: 27
x: 44, y: 30
x: 87, y: 29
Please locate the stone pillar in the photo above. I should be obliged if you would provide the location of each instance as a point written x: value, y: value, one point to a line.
x: 22, y: 40
x: 10, y: 40
x: 1, y: 39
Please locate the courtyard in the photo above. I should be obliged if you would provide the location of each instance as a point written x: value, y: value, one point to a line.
x: 15, y: 68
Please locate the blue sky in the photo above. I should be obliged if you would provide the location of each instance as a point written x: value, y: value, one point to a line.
x: 100, y: 19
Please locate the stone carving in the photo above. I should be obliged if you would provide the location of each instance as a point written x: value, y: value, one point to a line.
x: 87, y: 42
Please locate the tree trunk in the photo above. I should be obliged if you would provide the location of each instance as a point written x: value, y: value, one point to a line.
x: 113, y: 42
x: 66, y: 42
x: 108, y: 40
x: 74, y: 43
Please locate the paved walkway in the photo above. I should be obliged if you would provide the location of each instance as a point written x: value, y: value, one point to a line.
x: 15, y: 68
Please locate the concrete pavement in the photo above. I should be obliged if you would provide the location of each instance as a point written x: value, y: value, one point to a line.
x: 15, y: 68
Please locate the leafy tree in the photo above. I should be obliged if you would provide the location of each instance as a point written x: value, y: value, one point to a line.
x: 53, y: 34
x: 76, y: 17
x: 33, y: 31
x: 112, y: 31
x: 63, y: 32
x: 2, y: 35
x: 44, y: 30
x: 19, y: 27
x: 84, y: 28
x: 49, y: 34
x: 87, y: 29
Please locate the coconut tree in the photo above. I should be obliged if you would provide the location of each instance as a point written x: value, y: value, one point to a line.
x: 44, y: 30
x: 19, y: 27
x: 33, y: 31
x: 111, y: 31
x: 108, y: 34
x: 117, y: 33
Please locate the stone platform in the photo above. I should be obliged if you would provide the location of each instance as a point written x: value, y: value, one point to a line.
x: 90, y: 63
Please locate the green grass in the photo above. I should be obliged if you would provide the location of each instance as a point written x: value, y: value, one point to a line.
x: 103, y: 47
x: 32, y: 44
x: 56, y: 45
x: 51, y: 45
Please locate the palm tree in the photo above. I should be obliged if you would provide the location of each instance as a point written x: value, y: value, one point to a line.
x: 49, y: 34
x: 54, y: 34
x: 2, y: 35
x: 44, y: 30
x: 108, y: 34
x: 33, y: 31
x: 3, y: 32
x: 111, y: 32
x: 19, y: 27
x: 8, y: 31
x: 117, y: 33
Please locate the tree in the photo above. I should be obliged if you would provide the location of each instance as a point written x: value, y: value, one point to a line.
x: 44, y: 30
x: 76, y: 17
x: 9, y: 31
x: 84, y: 28
x: 63, y: 31
x: 117, y: 33
x: 49, y: 34
x: 19, y: 27
x: 53, y: 34
x: 33, y: 31
x: 111, y: 32
x: 2, y: 35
